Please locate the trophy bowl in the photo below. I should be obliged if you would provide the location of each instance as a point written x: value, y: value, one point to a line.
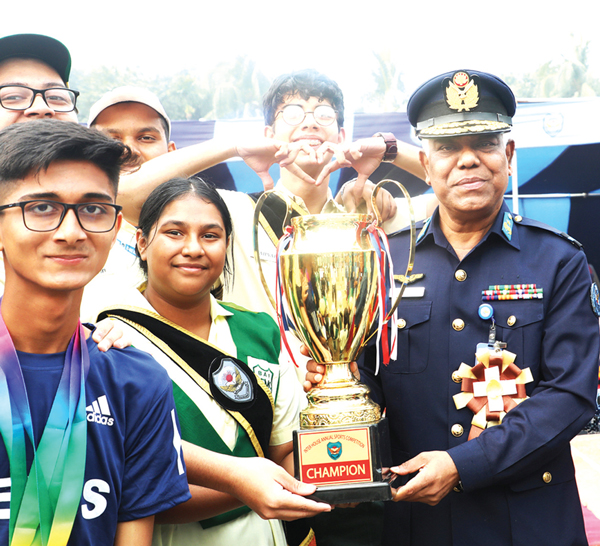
x: 329, y: 276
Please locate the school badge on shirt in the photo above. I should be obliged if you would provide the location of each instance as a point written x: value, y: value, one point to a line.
x: 232, y: 381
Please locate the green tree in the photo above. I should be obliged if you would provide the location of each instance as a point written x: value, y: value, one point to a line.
x: 183, y: 96
x: 389, y: 92
x: 92, y: 84
x: 568, y: 77
x: 236, y: 88
x: 231, y: 90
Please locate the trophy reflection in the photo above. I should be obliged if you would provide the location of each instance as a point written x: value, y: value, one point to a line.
x: 330, y: 279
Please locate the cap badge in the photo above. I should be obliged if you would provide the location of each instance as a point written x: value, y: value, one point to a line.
x: 462, y: 93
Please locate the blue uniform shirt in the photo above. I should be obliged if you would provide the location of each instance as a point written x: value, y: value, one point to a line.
x: 134, y: 464
x: 518, y: 477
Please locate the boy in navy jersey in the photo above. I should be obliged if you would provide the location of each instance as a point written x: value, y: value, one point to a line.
x: 91, y: 447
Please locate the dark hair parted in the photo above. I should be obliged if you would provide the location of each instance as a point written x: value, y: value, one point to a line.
x: 29, y: 148
x: 180, y: 188
x: 306, y: 84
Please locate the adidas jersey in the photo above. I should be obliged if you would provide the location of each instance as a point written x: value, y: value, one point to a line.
x: 134, y: 462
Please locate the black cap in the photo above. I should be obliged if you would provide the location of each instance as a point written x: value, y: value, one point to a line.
x: 462, y: 102
x: 36, y: 46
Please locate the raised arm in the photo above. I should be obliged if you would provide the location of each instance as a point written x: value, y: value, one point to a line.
x: 135, y: 187
x: 365, y: 155
x: 259, y: 154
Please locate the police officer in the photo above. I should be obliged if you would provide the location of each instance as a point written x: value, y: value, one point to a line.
x: 498, y: 345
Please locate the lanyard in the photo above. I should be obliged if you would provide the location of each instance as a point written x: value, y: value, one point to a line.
x: 44, y: 504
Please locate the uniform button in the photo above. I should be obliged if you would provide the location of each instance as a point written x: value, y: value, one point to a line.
x: 457, y: 431
x: 547, y: 477
x: 511, y: 320
x: 460, y: 275
x: 518, y: 218
x: 455, y: 377
x: 458, y: 324
x: 401, y: 324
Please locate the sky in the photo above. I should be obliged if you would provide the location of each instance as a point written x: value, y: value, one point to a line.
x: 335, y: 37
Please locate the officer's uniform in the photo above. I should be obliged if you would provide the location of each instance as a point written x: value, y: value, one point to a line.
x: 517, y: 478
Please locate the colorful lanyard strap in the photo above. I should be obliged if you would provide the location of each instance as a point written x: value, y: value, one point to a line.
x: 44, y: 503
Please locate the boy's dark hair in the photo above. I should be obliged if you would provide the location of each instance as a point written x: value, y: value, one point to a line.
x: 29, y: 148
x: 306, y: 84
x: 180, y: 188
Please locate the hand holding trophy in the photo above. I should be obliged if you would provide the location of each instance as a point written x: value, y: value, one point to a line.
x: 332, y: 295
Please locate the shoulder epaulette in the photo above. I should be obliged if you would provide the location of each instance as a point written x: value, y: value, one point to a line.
x: 535, y: 223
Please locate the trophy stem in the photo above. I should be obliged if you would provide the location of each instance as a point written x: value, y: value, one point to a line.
x: 337, y: 374
x: 339, y: 400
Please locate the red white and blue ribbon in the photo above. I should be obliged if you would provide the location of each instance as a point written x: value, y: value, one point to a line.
x: 282, y: 321
x: 386, y: 296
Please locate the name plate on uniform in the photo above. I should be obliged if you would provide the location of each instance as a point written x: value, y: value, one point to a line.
x: 414, y: 292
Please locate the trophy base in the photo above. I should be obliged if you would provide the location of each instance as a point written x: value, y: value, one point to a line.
x: 365, y: 492
x: 347, y: 464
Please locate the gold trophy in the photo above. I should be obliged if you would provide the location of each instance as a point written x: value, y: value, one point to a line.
x: 330, y: 278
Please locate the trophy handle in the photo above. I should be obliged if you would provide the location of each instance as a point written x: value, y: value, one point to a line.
x: 258, y: 207
x: 413, y: 235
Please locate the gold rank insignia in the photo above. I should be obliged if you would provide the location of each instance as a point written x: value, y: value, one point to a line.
x: 409, y: 280
x: 462, y: 92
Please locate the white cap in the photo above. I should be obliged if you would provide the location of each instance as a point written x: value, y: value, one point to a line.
x: 128, y: 94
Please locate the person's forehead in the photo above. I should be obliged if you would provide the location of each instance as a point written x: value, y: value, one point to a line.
x: 30, y: 72
x: 186, y: 208
x: 297, y: 99
x: 70, y: 180
x: 129, y: 116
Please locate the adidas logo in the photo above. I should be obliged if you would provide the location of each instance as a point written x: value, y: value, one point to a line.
x: 99, y: 412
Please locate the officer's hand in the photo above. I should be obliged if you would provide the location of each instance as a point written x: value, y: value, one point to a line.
x: 436, y: 476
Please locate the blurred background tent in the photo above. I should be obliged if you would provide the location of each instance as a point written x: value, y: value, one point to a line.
x: 557, y: 175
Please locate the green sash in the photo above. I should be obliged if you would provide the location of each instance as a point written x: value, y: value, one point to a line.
x: 194, y: 356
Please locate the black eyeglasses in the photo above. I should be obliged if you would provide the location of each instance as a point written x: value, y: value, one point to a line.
x: 44, y: 215
x: 21, y: 97
x: 294, y: 114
